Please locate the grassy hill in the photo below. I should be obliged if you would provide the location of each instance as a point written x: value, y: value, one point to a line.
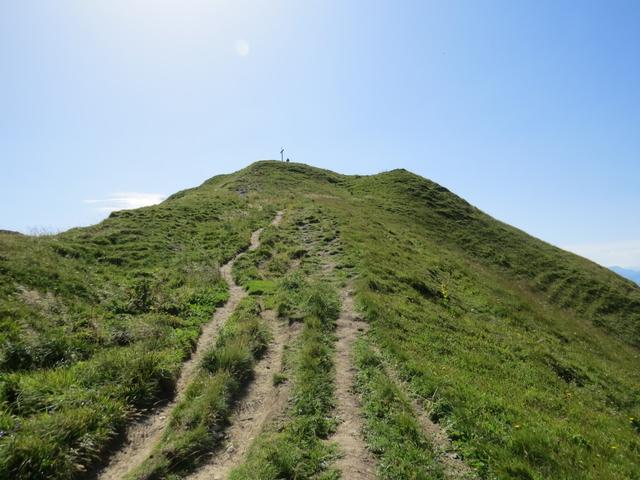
x: 526, y: 355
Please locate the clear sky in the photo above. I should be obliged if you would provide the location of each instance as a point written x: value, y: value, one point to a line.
x: 528, y: 109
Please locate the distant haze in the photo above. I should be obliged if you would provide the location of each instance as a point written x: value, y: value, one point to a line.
x: 632, y: 275
x: 624, y: 254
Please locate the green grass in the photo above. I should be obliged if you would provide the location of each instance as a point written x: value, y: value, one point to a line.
x: 195, y: 422
x: 260, y: 287
x: 95, y: 323
x: 529, y: 353
x: 195, y: 425
x: 526, y: 389
x: 392, y: 431
x: 279, y: 379
x: 297, y: 449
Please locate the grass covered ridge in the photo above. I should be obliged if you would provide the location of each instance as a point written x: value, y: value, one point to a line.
x: 529, y: 373
x: 528, y: 354
x: 95, y: 322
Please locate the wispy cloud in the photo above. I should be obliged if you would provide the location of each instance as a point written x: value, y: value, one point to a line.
x: 126, y: 201
x: 624, y: 254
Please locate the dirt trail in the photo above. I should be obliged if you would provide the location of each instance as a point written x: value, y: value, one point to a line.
x: 141, y: 437
x: 357, y: 463
x: 453, y: 466
x: 263, y: 401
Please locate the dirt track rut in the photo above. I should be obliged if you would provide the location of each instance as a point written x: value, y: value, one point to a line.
x: 263, y: 401
x: 357, y: 463
x: 142, y: 436
x: 453, y: 466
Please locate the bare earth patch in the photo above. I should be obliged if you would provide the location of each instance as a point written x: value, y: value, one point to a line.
x: 357, y: 463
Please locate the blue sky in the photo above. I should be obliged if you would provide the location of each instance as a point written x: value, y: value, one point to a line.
x: 529, y: 110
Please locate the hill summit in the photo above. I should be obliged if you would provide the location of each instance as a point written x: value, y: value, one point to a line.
x: 370, y: 325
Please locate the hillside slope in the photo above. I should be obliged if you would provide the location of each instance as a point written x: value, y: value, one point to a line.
x: 525, y: 355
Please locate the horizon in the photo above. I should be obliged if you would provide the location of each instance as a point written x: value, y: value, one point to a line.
x: 528, y: 112
x: 136, y: 201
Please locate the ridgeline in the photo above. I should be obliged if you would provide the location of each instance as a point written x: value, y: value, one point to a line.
x: 407, y: 334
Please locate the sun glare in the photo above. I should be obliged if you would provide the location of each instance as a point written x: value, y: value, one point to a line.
x: 159, y: 23
x: 242, y: 48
